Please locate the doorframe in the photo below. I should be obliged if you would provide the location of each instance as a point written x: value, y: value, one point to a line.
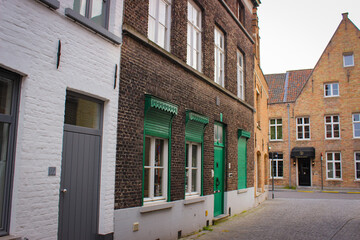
x: 223, y: 146
x: 89, y: 131
x: 297, y: 171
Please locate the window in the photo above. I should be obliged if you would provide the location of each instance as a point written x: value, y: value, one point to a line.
x: 332, y: 127
x: 159, y: 22
x: 194, y: 36
x: 331, y: 89
x: 277, y: 165
x: 219, y: 57
x: 240, y: 75
x: 348, y: 59
x: 356, y: 125
x: 156, y: 159
x: 276, y: 129
x: 357, y: 165
x: 333, y: 165
x: 240, y: 11
x: 96, y: 10
x: 9, y: 88
x: 303, y: 128
x: 193, y: 169
x: 218, y: 134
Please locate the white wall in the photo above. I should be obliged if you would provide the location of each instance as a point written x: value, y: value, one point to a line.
x: 29, y: 35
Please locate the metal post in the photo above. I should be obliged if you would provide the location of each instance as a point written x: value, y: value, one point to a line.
x: 321, y: 164
x: 289, y: 147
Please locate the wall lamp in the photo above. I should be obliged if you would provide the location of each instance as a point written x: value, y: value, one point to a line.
x: 313, y: 162
x: 294, y: 162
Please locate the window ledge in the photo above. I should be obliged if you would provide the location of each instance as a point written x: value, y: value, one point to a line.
x: 276, y: 140
x: 10, y: 237
x: 357, y: 180
x: 303, y: 139
x: 92, y: 25
x: 239, y: 191
x: 53, y: 4
x: 332, y: 138
x: 336, y: 180
x: 156, y: 207
x: 192, y: 200
x: 275, y: 178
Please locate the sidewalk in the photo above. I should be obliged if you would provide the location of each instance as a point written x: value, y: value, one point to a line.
x: 316, y: 189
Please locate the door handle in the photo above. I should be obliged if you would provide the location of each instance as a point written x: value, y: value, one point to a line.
x: 63, y: 190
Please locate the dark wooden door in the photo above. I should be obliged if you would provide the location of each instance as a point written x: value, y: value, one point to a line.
x: 304, y: 172
x: 79, y: 188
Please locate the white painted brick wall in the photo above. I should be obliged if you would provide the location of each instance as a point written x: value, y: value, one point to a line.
x: 29, y: 34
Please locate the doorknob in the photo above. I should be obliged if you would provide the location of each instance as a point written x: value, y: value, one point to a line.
x: 63, y: 190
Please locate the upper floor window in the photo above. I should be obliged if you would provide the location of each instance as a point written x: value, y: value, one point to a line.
x: 219, y: 57
x: 96, y: 10
x: 331, y: 89
x: 240, y: 11
x: 333, y: 165
x: 193, y: 169
x: 276, y: 129
x: 240, y: 75
x: 332, y: 127
x: 159, y: 22
x: 303, y: 128
x: 194, y: 36
x: 356, y: 125
x: 348, y: 59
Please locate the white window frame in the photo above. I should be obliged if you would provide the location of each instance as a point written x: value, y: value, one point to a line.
x: 356, y: 160
x: 276, y: 125
x: 219, y: 57
x: 333, y: 161
x: 193, y: 29
x: 167, y: 13
x: 152, y: 168
x: 240, y: 75
x: 332, y: 124
x: 331, y: 86
x: 277, y: 160
x: 190, y: 168
x: 302, y: 125
x: 347, y: 55
x: 355, y: 122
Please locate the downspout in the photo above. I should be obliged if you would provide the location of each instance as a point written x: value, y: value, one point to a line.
x: 288, y: 113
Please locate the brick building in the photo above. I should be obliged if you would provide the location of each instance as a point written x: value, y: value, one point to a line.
x: 314, y: 117
x: 58, y: 115
x: 185, y: 126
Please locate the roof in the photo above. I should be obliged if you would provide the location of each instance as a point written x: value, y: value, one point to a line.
x: 286, y: 87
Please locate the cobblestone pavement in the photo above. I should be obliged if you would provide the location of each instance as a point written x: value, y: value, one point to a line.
x: 294, y: 215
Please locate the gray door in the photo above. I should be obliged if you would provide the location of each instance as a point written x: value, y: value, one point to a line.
x: 80, y: 172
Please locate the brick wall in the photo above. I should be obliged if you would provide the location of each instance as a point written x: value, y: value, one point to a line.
x: 147, y: 69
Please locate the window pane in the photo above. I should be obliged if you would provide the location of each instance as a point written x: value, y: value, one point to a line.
x: 187, y: 180
x: 161, y: 35
x: 299, y: 120
x: 82, y: 112
x: 358, y: 170
x: 273, y: 168
x: 151, y: 31
x: 338, y: 170
x: 356, y: 117
x: 186, y: 155
x: 4, y: 136
x: 194, y: 156
x: 194, y: 180
x: 272, y: 132
x: 329, y: 156
x: 328, y: 131
x: 280, y: 169
x: 328, y: 119
x: 279, y: 121
x: 349, y: 60
x: 162, y: 12
x: 357, y: 129
x: 327, y: 90
x: 158, y: 186
x: 146, y: 183
x: 272, y: 121
x: 215, y: 133
x: 335, y: 88
x: 357, y: 156
x: 96, y: 12
x: 6, y: 87
x: 147, y: 151
x: 337, y: 156
x: 330, y: 171
x: 152, y: 8
x: 80, y: 6
x: 336, y: 130
x: 300, y: 133
x: 220, y: 132
x: 335, y: 119
x: 279, y: 132
x: 159, y: 152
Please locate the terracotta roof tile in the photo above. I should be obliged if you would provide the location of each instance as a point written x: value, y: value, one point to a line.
x: 296, y: 81
x: 276, y: 84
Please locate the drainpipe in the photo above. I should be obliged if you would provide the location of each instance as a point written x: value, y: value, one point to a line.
x: 288, y: 113
x: 321, y: 164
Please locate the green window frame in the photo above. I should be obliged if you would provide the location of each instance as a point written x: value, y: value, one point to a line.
x: 194, y: 136
x: 243, y: 136
x: 157, y: 125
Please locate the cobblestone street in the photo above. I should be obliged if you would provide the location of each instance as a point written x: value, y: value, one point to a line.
x: 294, y: 215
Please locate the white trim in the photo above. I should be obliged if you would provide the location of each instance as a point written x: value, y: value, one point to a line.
x: 240, y: 74
x: 190, y: 168
x: 276, y: 125
x: 194, y: 29
x: 333, y: 161
x: 348, y: 54
x: 277, y: 166
x: 353, y: 123
x: 302, y: 125
x: 219, y: 57
x: 356, y: 161
x: 332, y: 123
x: 331, y: 89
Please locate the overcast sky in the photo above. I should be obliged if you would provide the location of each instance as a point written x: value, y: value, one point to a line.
x: 294, y: 33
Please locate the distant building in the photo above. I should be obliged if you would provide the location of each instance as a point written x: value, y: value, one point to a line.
x: 59, y: 80
x: 314, y: 117
x: 185, y: 153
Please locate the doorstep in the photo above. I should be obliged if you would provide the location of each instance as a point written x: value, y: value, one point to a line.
x: 219, y: 218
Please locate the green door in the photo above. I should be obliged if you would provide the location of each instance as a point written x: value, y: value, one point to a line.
x: 218, y: 170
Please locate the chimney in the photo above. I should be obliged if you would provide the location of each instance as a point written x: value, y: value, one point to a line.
x: 255, y: 29
x: 345, y: 15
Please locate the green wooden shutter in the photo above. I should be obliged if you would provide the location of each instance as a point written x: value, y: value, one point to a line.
x: 195, y: 123
x: 243, y: 136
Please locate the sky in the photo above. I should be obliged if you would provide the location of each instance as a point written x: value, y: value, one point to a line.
x: 294, y: 33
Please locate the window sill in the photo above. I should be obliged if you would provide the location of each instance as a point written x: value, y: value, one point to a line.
x: 156, y: 207
x: 240, y: 191
x: 336, y: 180
x: 10, y: 237
x: 276, y: 178
x: 332, y: 138
x: 192, y: 200
x: 276, y: 140
x: 357, y: 180
x: 303, y: 139
x: 53, y: 4
x: 92, y: 25
x: 332, y: 96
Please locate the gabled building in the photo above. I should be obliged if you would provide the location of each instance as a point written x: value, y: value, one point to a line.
x: 59, y: 63
x: 185, y: 151
x: 314, y: 117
